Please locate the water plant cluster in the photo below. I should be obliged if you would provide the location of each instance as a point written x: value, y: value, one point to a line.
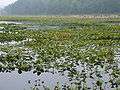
x: 86, y: 50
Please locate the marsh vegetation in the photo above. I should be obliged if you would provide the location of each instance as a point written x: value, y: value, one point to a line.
x: 85, y: 53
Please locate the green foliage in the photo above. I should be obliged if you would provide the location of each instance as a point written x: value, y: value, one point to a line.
x: 92, y: 46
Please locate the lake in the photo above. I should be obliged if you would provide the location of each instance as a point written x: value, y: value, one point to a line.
x: 66, y: 55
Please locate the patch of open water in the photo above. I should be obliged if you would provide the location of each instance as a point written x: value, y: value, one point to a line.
x: 10, y: 22
x: 31, y: 25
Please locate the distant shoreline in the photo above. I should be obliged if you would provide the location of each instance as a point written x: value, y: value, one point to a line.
x: 77, y: 16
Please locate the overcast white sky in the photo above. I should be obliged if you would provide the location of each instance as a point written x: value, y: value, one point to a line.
x: 4, y: 3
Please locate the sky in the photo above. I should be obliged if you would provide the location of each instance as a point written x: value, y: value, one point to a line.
x: 4, y: 3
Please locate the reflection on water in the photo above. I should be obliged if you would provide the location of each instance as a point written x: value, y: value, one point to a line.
x: 27, y: 80
x: 30, y: 25
x: 9, y: 22
x: 92, y: 76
